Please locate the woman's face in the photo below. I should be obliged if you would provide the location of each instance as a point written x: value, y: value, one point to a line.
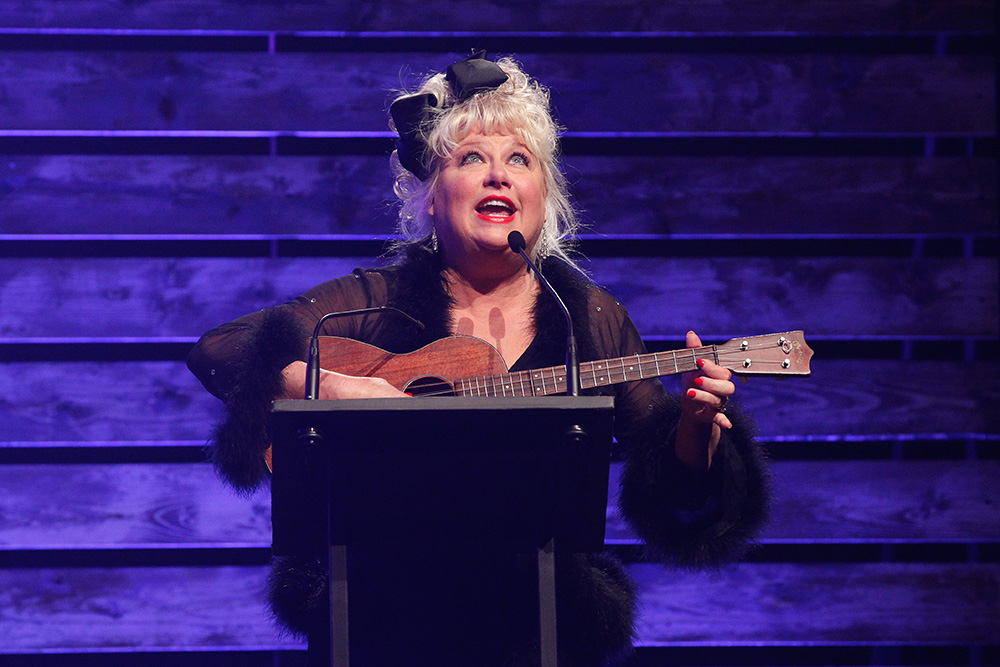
x: 491, y: 185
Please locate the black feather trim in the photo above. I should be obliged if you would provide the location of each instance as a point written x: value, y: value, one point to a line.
x: 597, y: 605
x: 692, y: 519
x: 419, y: 289
x: 238, y: 444
x: 597, y: 608
x: 297, y: 595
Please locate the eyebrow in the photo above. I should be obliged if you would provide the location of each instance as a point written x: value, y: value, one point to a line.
x: 477, y: 142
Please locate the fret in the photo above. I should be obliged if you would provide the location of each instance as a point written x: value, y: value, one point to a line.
x: 772, y: 355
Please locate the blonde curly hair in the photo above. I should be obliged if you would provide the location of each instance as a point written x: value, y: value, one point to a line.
x: 520, y: 107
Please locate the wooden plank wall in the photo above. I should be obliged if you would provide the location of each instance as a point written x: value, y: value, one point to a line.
x: 744, y: 168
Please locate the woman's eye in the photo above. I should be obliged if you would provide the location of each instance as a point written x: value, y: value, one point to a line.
x: 519, y: 158
x: 471, y: 157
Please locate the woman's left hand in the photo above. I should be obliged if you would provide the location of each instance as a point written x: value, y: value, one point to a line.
x: 706, y: 391
x: 703, y: 411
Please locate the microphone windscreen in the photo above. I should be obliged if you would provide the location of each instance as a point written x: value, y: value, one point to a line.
x: 516, y: 241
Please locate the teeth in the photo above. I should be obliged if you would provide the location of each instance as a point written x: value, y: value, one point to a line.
x: 495, y: 207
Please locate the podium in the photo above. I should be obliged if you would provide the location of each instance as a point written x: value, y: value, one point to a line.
x: 380, y: 487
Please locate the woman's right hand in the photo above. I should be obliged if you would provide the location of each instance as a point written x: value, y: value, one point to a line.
x: 336, y: 385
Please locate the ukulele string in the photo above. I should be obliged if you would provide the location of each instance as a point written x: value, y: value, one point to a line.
x: 483, y: 385
x: 486, y: 385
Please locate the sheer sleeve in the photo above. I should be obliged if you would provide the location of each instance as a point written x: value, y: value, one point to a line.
x: 687, y: 517
x: 241, y: 363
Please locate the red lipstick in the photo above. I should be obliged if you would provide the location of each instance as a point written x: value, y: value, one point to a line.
x: 491, y: 209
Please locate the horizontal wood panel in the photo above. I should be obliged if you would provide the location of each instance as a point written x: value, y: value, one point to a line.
x: 348, y: 91
x: 774, y: 604
x: 492, y: 15
x: 146, y: 608
x: 858, y: 196
x: 82, y: 506
x: 854, y: 296
x: 855, y: 604
x: 78, y: 401
x: 617, y: 195
x: 197, y: 195
x: 862, y: 297
x: 151, y: 297
x: 872, y: 501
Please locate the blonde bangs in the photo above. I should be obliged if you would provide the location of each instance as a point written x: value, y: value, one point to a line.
x: 518, y: 107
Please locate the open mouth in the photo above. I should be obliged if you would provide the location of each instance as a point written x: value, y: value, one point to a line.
x: 496, y: 209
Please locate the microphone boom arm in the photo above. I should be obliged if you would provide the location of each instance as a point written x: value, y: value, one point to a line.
x: 516, y: 241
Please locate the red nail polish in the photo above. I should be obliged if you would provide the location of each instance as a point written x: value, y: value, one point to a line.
x: 691, y: 393
x: 699, y: 381
x: 701, y: 363
x: 408, y: 393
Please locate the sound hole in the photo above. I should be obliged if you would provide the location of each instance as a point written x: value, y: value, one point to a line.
x: 430, y: 386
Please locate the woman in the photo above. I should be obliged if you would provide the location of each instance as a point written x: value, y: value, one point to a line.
x: 477, y: 159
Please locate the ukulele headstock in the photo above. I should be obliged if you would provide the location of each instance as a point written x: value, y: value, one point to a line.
x: 777, y: 354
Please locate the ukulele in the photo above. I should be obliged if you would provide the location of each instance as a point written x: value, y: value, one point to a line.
x: 469, y: 366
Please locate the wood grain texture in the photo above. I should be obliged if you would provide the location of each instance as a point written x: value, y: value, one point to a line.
x: 139, y: 608
x: 143, y: 297
x: 169, y: 505
x: 870, y: 501
x: 860, y: 297
x: 852, y: 604
x: 73, y: 194
x: 785, y: 195
x: 78, y: 401
x: 774, y: 604
x: 493, y: 15
x: 855, y: 296
x: 84, y: 506
x: 196, y: 195
x: 348, y: 91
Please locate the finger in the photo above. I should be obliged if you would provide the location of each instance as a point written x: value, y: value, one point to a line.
x: 717, y: 386
x: 714, y: 370
x: 381, y: 389
x: 708, y: 399
x: 692, y: 340
x: 723, y: 421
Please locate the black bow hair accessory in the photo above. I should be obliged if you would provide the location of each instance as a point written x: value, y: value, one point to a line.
x: 471, y: 75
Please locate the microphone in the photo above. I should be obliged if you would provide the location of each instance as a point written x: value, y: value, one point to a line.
x: 312, y: 361
x: 517, y: 243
